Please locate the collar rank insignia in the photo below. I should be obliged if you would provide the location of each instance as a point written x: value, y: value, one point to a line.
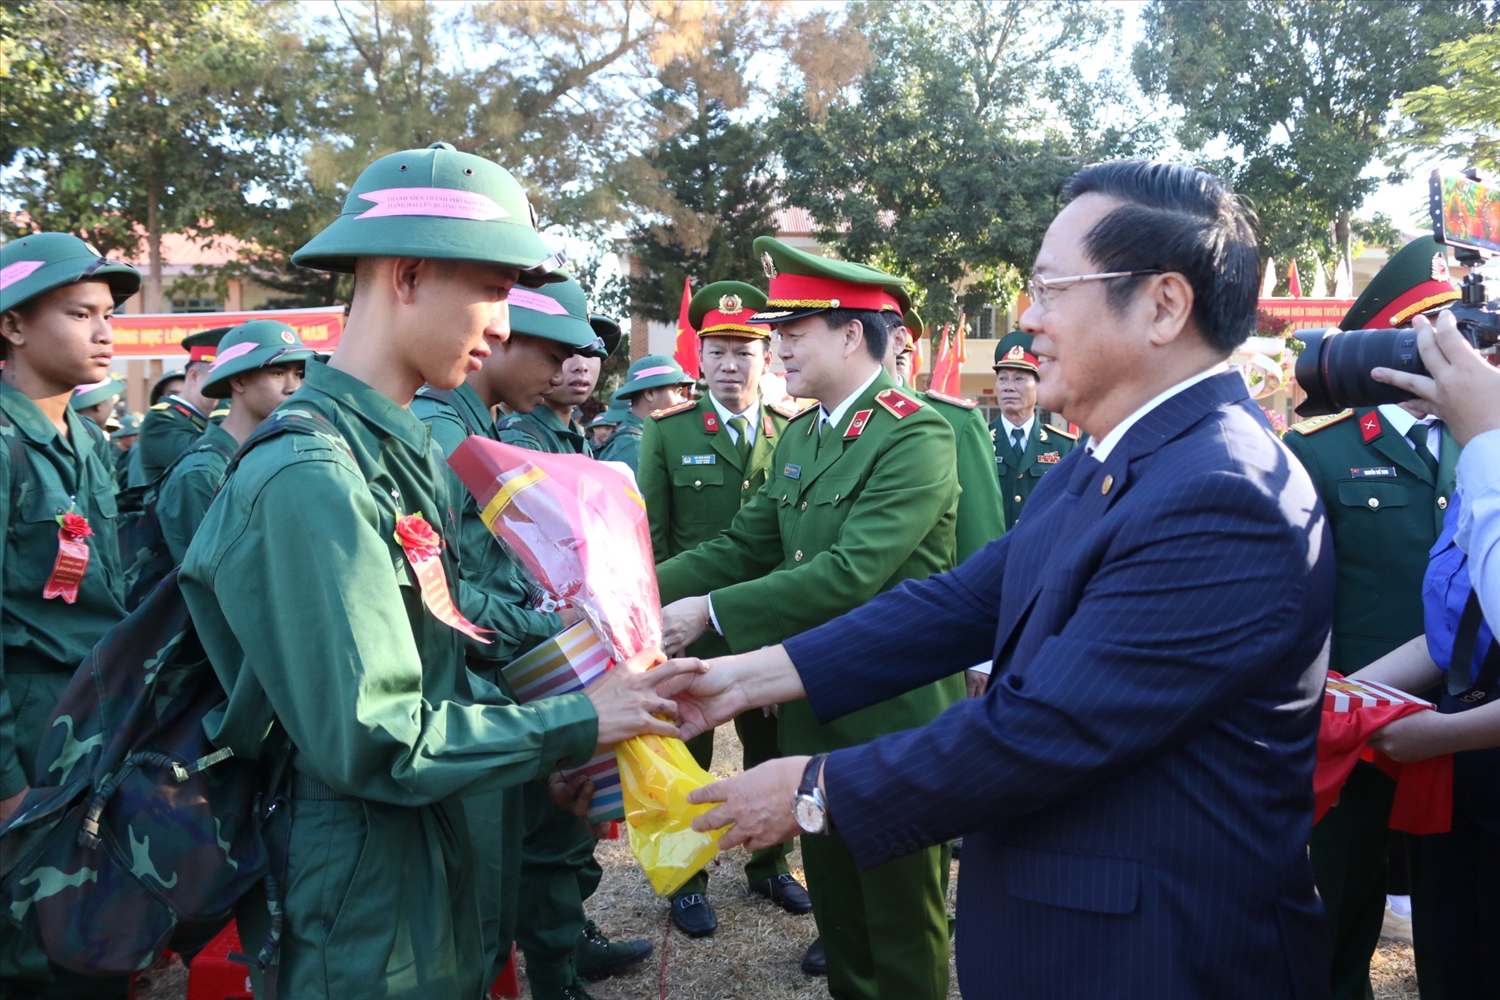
x: 858, y: 424
x: 1378, y: 472
x: 767, y: 427
x: 1369, y: 426
x: 730, y: 305
x: 900, y: 404
x: 710, y: 421
x: 1049, y: 458
x: 1041, y: 433
x: 967, y: 404
x: 669, y: 410
x: 792, y: 471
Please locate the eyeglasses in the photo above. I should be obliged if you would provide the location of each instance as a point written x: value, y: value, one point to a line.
x: 1040, y: 289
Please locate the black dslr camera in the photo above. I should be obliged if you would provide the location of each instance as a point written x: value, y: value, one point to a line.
x: 1334, y: 368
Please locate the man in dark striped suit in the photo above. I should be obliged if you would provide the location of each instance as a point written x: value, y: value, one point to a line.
x: 1134, y: 789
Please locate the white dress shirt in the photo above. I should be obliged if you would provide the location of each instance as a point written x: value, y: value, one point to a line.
x: 1403, y: 422
x: 843, y: 408
x: 725, y: 416
x: 1100, y: 449
x: 1010, y: 428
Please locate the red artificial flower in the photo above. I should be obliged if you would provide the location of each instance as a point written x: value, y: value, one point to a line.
x: 417, y: 537
x: 75, y: 526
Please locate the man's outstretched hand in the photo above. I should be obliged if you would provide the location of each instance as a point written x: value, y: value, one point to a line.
x: 706, y: 697
x: 627, y: 700
x: 757, y: 805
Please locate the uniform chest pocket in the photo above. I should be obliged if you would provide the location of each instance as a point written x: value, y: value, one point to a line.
x: 696, y: 477
x: 104, y: 502
x: 833, y: 490
x: 1373, y: 495
x: 1039, y: 469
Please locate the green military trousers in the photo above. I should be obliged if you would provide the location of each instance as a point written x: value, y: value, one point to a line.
x: 24, y: 970
x: 558, y: 872
x: 885, y: 932
x: 496, y: 828
x: 758, y: 735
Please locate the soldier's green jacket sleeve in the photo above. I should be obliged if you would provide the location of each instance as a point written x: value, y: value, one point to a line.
x: 655, y: 484
x: 183, y: 501
x: 306, y: 575
x: 623, y: 447
x: 911, y: 486
x: 981, y: 511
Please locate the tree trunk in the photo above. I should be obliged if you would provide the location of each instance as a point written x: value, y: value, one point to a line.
x: 1343, y: 238
x: 151, y: 288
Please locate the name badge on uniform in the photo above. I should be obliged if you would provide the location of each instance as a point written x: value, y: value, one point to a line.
x: 700, y: 459
x: 792, y: 471
x: 1378, y: 472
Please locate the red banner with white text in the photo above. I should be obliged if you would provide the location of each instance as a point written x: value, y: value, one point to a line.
x: 159, y: 335
x: 1305, y: 313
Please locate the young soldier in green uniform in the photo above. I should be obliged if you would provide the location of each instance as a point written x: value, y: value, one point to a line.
x: 174, y: 424
x: 259, y: 364
x: 653, y: 383
x: 1025, y: 448
x: 545, y: 422
x: 602, y: 426
x: 125, y: 440
x: 1385, y: 475
x: 321, y: 590
x: 96, y: 403
x: 701, y: 462
x: 60, y: 564
x: 861, y: 495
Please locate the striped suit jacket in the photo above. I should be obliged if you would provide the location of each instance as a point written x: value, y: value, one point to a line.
x: 1135, y: 789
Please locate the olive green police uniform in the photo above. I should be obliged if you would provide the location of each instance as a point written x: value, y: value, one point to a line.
x: 846, y: 513
x: 695, y: 480
x: 44, y: 475
x: 1045, y: 446
x: 1385, y: 501
x: 981, y: 512
x: 651, y: 372
x: 304, y: 600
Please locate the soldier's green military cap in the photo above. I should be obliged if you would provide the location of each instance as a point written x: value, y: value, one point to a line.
x: 1014, y: 351
x: 130, y: 426
x: 259, y: 343
x: 611, y: 417
x: 912, y: 320
x: 204, y: 345
x: 558, y: 312
x: 609, y: 334
x: 88, y: 395
x: 158, y: 387
x: 1412, y: 282
x: 804, y: 284
x: 651, y: 372
x: 724, y: 308
x: 434, y: 203
x: 41, y: 262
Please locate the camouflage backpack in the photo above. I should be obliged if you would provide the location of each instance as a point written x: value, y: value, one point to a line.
x: 138, y: 834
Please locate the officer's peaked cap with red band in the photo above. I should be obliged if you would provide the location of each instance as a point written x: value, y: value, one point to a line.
x: 204, y: 345
x: 1014, y: 351
x: 1412, y: 282
x: 803, y: 284
x: 724, y: 309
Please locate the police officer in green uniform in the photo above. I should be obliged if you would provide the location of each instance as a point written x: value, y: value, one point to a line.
x: 304, y: 594
x: 1385, y: 475
x: 259, y: 364
x: 125, y: 440
x: 861, y: 494
x: 1025, y: 448
x: 174, y: 424
x: 700, y: 462
x: 655, y: 382
x: 56, y: 297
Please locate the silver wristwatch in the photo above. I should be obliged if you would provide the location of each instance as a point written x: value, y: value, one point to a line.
x: 809, y: 807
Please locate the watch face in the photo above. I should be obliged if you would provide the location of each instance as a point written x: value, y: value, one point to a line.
x: 809, y: 814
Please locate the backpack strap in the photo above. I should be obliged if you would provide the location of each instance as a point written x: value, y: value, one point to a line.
x: 529, y: 429
x: 449, y: 399
x: 295, y: 420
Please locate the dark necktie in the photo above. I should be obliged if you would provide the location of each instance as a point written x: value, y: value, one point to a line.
x: 742, y: 444
x: 1018, y: 442
x: 1418, y: 437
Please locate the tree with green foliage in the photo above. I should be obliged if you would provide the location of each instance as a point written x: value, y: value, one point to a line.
x: 942, y: 160
x: 127, y: 121
x: 1459, y: 117
x: 1303, y: 92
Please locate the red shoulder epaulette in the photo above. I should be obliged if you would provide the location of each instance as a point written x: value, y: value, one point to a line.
x: 667, y: 411
x: 1312, y: 424
x: 899, y: 403
x: 967, y: 404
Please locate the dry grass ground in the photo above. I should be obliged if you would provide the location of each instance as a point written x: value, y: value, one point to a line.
x: 758, y: 947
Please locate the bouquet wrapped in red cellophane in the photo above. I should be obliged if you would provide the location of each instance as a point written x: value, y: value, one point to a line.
x: 579, y: 527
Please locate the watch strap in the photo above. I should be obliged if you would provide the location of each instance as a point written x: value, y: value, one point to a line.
x: 810, y: 774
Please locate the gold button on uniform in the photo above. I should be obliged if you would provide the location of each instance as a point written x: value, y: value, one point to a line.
x: 1442, y: 503
x: 1109, y: 480
x: 746, y: 486
x: 804, y: 505
x: 1373, y: 503
x: 1018, y: 498
x: 697, y: 482
x: 798, y: 556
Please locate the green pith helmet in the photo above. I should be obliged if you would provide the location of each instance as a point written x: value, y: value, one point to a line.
x: 89, y: 395
x: 611, y: 417
x: 724, y: 308
x: 434, y: 203
x: 161, y: 383
x: 608, y: 332
x: 1414, y: 281
x: 558, y: 312
x: 203, y: 345
x: 1014, y: 351
x: 256, y: 344
x: 651, y: 372
x: 913, y: 322
x: 803, y: 284
x: 130, y: 426
x: 41, y: 262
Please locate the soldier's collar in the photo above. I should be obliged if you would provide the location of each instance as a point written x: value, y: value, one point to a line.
x: 368, y: 404
x: 30, y: 419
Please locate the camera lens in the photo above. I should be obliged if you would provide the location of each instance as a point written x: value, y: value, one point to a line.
x: 1334, y: 368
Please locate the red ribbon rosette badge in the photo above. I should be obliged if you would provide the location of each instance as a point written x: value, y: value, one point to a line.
x: 423, y: 548
x: 72, y: 558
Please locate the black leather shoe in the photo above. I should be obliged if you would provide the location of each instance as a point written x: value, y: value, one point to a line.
x: 597, y: 956
x: 693, y: 916
x: 815, y: 963
x: 785, y: 891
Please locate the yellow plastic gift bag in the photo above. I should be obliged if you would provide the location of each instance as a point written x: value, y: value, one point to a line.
x: 656, y: 774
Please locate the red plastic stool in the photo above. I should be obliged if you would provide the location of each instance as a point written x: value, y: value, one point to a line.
x: 212, y: 976
x: 506, y: 986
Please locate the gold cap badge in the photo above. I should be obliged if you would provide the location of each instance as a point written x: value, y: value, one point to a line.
x: 768, y: 265
x: 730, y: 305
x: 1440, y: 267
x: 1017, y: 353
